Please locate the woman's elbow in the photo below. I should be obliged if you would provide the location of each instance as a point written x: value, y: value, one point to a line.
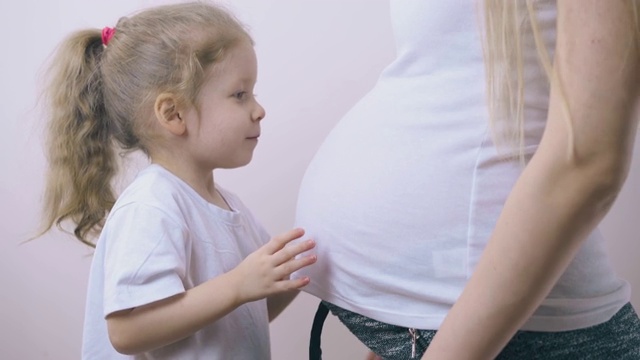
x: 604, y: 178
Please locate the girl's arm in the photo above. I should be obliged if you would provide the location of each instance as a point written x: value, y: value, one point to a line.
x: 277, y: 303
x: 562, y: 194
x: 263, y: 273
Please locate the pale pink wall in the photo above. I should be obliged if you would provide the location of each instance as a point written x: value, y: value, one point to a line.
x: 316, y: 58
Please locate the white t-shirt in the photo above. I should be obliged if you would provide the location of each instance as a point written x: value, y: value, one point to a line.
x: 405, y: 191
x: 160, y: 239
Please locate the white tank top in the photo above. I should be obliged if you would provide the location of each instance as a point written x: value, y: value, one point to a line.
x: 405, y: 191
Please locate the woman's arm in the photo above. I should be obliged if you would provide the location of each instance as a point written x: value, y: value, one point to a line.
x: 263, y: 273
x: 562, y: 194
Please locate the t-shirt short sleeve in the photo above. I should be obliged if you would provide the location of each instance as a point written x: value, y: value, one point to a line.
x: 145, y: 257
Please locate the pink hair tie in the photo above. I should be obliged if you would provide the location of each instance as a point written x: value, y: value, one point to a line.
x: 107, y: 34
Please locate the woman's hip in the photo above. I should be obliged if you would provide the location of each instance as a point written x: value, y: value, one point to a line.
x: 618, y: 338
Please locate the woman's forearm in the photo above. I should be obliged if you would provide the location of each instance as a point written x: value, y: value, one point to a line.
x: 541, y: 228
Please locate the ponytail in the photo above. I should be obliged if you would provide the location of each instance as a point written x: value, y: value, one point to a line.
x: 81, y: 156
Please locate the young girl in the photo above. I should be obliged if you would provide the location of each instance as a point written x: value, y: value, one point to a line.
x: 181, y: 269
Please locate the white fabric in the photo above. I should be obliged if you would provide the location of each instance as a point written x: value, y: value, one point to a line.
x: 405, y: 191
x: 160, y: 239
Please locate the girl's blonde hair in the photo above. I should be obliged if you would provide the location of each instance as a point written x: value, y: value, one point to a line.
x: 506, y: 23
x: 100, y: 100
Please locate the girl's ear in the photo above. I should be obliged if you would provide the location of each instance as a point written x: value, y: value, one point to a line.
x: 168, y: 115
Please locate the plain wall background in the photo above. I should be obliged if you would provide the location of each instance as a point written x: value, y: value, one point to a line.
x: 316, y: 59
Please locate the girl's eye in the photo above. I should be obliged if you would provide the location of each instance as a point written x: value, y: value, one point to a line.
x: 240, y: 95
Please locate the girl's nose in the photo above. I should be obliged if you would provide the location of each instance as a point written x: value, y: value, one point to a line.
x: 258, y: 113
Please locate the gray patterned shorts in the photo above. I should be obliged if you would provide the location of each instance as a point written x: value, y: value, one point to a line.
x: 616, y: 339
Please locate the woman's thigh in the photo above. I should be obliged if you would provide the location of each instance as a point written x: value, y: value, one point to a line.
x: 618, y: 338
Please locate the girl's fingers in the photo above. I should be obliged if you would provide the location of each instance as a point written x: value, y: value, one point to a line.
x: 284, y: 270
x: 286, y: 285
x: 279, y: 241
x: 291, y: 251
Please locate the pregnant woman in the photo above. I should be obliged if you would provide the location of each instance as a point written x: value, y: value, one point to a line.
x: 455, y: 207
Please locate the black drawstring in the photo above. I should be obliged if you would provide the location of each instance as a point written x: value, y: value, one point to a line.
x: 315, y: 352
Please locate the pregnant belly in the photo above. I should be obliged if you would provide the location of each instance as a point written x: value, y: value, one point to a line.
x: 385, y: 192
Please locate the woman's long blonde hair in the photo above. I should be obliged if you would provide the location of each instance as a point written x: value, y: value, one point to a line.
x: 100, y: 97
x: 506, y: 22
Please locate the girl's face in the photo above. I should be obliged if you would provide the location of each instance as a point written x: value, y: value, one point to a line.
x: 225, y: 125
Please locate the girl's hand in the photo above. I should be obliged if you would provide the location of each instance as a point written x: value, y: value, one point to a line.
x: 266, y: 271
